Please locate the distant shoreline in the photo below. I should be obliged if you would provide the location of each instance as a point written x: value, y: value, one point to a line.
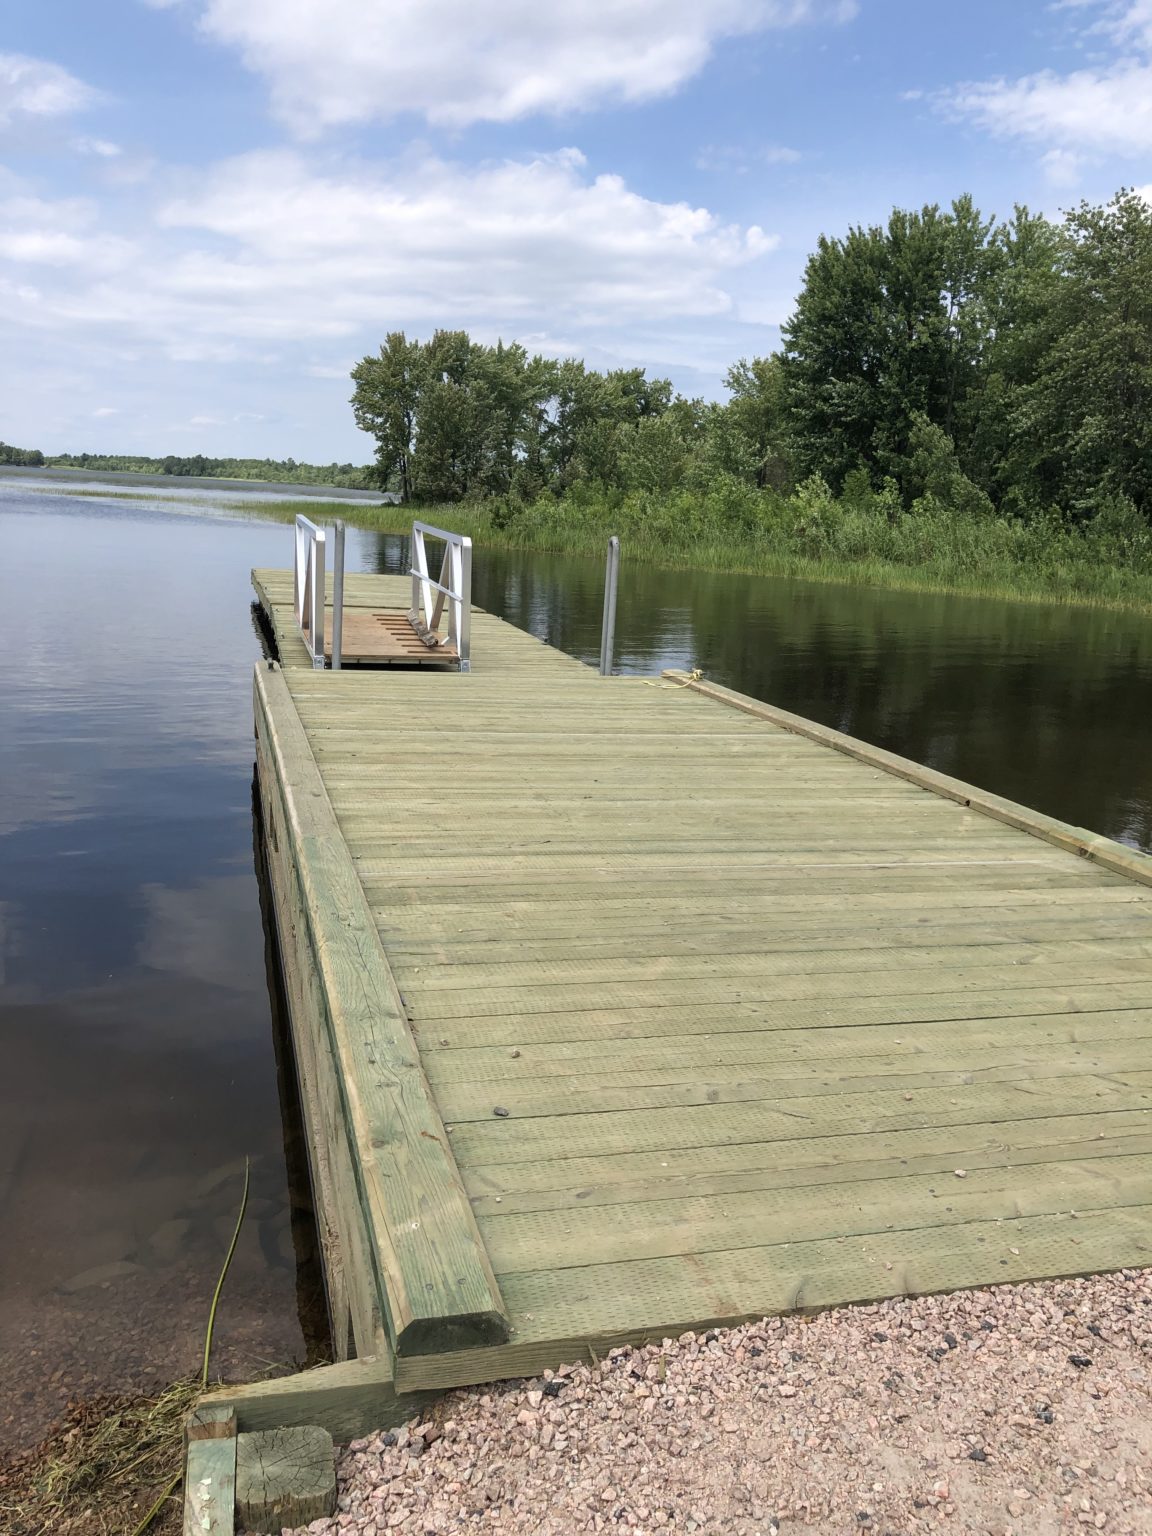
x: 48, y: 474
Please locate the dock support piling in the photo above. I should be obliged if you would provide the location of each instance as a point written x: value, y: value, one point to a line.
x: 608, y: 629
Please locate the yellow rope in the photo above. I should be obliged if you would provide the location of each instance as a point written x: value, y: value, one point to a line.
x: 176, y: 1481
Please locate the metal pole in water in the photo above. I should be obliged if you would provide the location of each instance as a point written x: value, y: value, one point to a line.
x: 608, y: 630
x: 338, y: 597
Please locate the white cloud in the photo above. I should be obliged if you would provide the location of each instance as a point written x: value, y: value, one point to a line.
x: 61, y: 232
x: 269, y: 255
x: 1063, y: 167
x: 738, y: 159
x: 274, y: 270
x: 106, y: 410
x: 456, y: 62
x: 36, y: 88
x: 1102, y: 109
x: 104, y: 149
x: 321, y: 254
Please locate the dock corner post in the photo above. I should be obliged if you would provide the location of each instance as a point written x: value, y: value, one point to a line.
x: 337, y: 595
x: 608, y: 628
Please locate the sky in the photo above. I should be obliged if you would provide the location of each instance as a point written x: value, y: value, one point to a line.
x: 211, y: 209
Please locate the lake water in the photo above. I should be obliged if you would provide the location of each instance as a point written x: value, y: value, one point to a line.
x: 138, y: 1048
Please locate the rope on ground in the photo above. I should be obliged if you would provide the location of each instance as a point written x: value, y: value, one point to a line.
x: 693, y: 677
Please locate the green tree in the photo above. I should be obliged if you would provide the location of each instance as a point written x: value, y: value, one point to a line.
x: 1081, y: 425
x: 891, y: 323
x: 756, y: 418
x: 385, y: 403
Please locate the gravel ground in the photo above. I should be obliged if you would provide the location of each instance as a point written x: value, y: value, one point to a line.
x: 1023, y: 1409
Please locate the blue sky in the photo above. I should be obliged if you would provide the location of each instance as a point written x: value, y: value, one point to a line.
x: 209, y: 209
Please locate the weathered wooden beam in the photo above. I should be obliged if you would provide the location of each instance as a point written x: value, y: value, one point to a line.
x: 438, y: 1286
x: 210, y: 1472
x: 284, y: 1478
x: 355, y: 1308
x: 350, y: 1399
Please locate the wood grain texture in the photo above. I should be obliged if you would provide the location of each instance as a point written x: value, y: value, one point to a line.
x: 1101, y: 850
x: 433, y: 1271
x: 712, y: 1002
x: 210, y: 1487
x: 285, y: 1478
x: 349, y: 1399
x: 356, y: 1308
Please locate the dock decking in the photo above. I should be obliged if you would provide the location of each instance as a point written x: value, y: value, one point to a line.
x: 629, y: 1006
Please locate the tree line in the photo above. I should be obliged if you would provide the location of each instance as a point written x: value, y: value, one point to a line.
x: 941, y: 362
x: 31, y: 458
x: 287, y: 471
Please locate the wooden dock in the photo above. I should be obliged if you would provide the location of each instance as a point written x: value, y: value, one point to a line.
x: 626, y: 1006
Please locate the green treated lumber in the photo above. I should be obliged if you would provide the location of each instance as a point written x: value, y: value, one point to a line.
x: 755, y: 962
x: 351, y: 1279
x: 435, y: 1272
x: 675, y: 923
x: 775, y: 1013
x: 839, y: 1157
x: 575, y: 1237
x: 779, y: 985
x: 1102, y: 850
x: 369, y: 837
x: 702, y: 1083
x: 522, y: 1139
x: 653, y: 1299
x: 718, y: 1172
x: 686, y: 938
x: 834, y: 816
x: 471, y: 920
x: 350, y: 1399
x: 210, y: 1487
x: 945, y: 1044
x: 424, y: 868
x: 530, y: 855
x: 792, y: 889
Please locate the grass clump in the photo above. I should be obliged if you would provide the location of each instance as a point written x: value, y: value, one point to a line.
x: 101, y: 1469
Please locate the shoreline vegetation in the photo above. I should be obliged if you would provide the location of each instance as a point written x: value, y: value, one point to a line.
x: 810, y: 536
x: 994, y: 560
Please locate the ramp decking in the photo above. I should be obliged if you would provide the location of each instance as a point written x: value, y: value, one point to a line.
x: 628, y: 1006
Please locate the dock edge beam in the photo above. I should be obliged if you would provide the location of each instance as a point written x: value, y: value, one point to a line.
x: 430, y: 1264
x: 1104, y: 851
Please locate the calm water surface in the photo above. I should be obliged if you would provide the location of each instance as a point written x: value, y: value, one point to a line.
x: 138, y: 1055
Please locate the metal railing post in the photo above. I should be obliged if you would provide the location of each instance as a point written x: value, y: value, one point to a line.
x: 337, y: 596
x: 464, y: 622
x: 319, y: 595
x: 454, y: 588
x: 608, y: 629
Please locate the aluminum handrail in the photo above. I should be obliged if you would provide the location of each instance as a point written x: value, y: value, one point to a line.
x: 308, y: 586
x: 453, y: 589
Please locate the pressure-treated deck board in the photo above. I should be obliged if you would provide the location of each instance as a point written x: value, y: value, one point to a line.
x: 712, y: 1013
